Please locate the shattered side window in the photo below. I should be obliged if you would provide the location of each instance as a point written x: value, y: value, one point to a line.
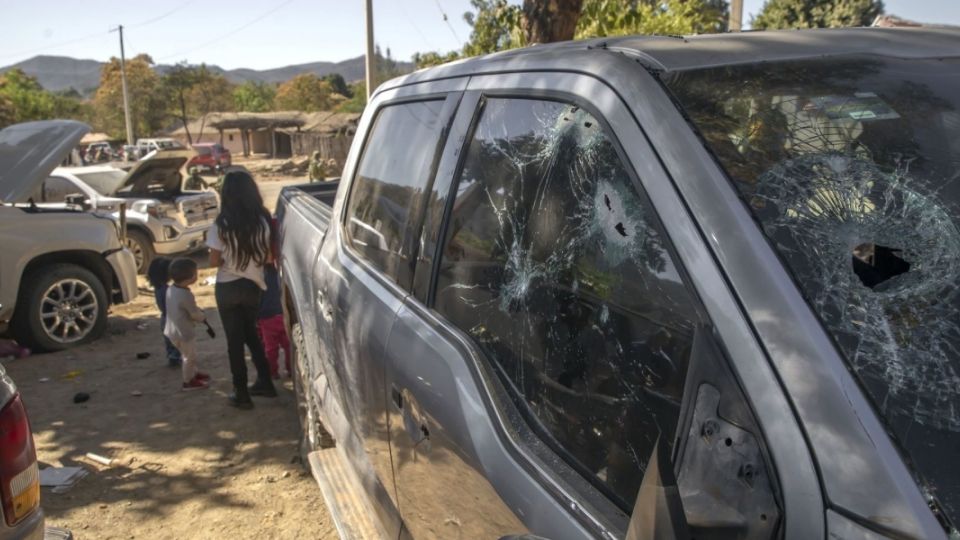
x: 852, y: 168
x: 390, y: 183
x: 555, y: 266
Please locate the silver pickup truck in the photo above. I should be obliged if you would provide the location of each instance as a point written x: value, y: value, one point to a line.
x: 642, y: 287
x: 162, y: 218
x: 60, y: 268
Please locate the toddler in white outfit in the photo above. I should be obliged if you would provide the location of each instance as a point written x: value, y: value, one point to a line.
x: 182, y: 318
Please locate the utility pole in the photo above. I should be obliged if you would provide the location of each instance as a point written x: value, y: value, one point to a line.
x: 736, y: 15
x: 371, y: 61
x: 123, y: 81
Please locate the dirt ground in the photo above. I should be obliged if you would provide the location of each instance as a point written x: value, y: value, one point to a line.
x: 185, y: 464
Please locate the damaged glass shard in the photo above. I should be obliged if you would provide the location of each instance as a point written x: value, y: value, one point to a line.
x: 850, y: 165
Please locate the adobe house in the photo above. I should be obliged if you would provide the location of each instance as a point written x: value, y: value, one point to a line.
x: 276, y: 134
x: 327, y: 132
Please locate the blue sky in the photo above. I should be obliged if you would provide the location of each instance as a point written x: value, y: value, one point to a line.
x: 245, y: 33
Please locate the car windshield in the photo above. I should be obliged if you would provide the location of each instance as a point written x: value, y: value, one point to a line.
x: 105, y: 183
x: 851, y: 166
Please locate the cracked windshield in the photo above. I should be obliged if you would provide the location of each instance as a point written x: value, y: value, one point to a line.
x: 852, y: 168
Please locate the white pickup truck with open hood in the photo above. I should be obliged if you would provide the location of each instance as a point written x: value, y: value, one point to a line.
x: 61, y: 267
x: 162, y: 218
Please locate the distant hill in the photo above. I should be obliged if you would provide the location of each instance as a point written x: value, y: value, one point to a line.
x: 62, y: 72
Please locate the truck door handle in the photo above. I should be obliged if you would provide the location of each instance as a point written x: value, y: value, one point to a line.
x: 414, y: 423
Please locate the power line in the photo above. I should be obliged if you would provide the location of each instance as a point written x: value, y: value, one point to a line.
x: 253, y: 21
x: 447, y: 21
x: 414, y: 25
x: 55, y: 45
x: 163, y: 15
x: 98, y: 34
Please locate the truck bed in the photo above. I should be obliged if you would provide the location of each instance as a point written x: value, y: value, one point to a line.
x: 303, y: 212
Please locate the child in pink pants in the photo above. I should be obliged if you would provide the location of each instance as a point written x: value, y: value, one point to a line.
x: 273, y: 333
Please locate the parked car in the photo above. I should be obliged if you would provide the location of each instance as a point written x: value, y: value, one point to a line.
x: 162, y: 218
x: 98, y: 152
x: 210, y: 157
x: 61, y: 268
x: 21, y: 517
x: 129, y: 152
x: 145, y: 146
x: 696, y: 287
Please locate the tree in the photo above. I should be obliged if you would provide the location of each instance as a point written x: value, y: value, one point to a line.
x: 148, y: 110
x: 602, y: 18
x: 816, y: 14
x: 70, y: 104
x: 254, y: 96
x: 307, y: 92
x: 7, y: 112
x: 177, y: 83
x: 195, y: 92
x: 386, y: 66
x: 496, y: 25
x: 22, y: 99
x: 546, y: 21
x: 427, y: 59
x: 27, y: 98
x: 357, y: 101
x: 338, y: 84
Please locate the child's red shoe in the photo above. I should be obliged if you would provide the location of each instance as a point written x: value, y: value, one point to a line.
x: 202, y: 376
x: 195, y: 384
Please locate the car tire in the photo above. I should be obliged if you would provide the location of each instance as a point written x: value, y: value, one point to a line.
x: 60, y: 306
x: 138, y: 242
x: 313, y: 435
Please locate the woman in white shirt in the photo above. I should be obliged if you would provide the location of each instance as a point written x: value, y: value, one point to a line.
x: 239, y: 242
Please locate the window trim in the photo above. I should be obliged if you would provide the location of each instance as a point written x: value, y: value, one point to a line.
x: 450, y: 101
x: 502, y: 395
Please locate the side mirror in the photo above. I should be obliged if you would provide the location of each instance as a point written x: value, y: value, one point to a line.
x: 77, y: 199
x: 658, y: 512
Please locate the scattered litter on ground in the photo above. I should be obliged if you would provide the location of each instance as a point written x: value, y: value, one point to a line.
x: 142, y: 326
x: 99, y: 459
x: 72, y: 374
x: 44, y: 379
x: 81, y: 397
x: 142, y: 355
x: 61, y: 479
x: 136, y: 393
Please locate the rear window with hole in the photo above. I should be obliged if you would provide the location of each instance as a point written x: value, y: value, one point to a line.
x: 852, y: 168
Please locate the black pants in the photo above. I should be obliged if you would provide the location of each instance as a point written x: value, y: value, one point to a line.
x: 238, y: 303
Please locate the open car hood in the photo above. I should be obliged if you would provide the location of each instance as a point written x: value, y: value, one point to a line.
x: 159, y: 173
x: 30, y: 151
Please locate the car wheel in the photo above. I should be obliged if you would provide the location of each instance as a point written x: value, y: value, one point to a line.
x: 142, y: 248
x: 61, y: 306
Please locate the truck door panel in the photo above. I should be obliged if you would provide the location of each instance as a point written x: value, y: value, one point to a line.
x: 368, y: 269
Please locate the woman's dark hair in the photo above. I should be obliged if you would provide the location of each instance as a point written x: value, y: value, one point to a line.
x: 182, y: 269
x: 158, y: 273
x: 243, y: 222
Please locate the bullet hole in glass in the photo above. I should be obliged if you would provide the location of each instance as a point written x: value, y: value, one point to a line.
x: 875, y: 264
